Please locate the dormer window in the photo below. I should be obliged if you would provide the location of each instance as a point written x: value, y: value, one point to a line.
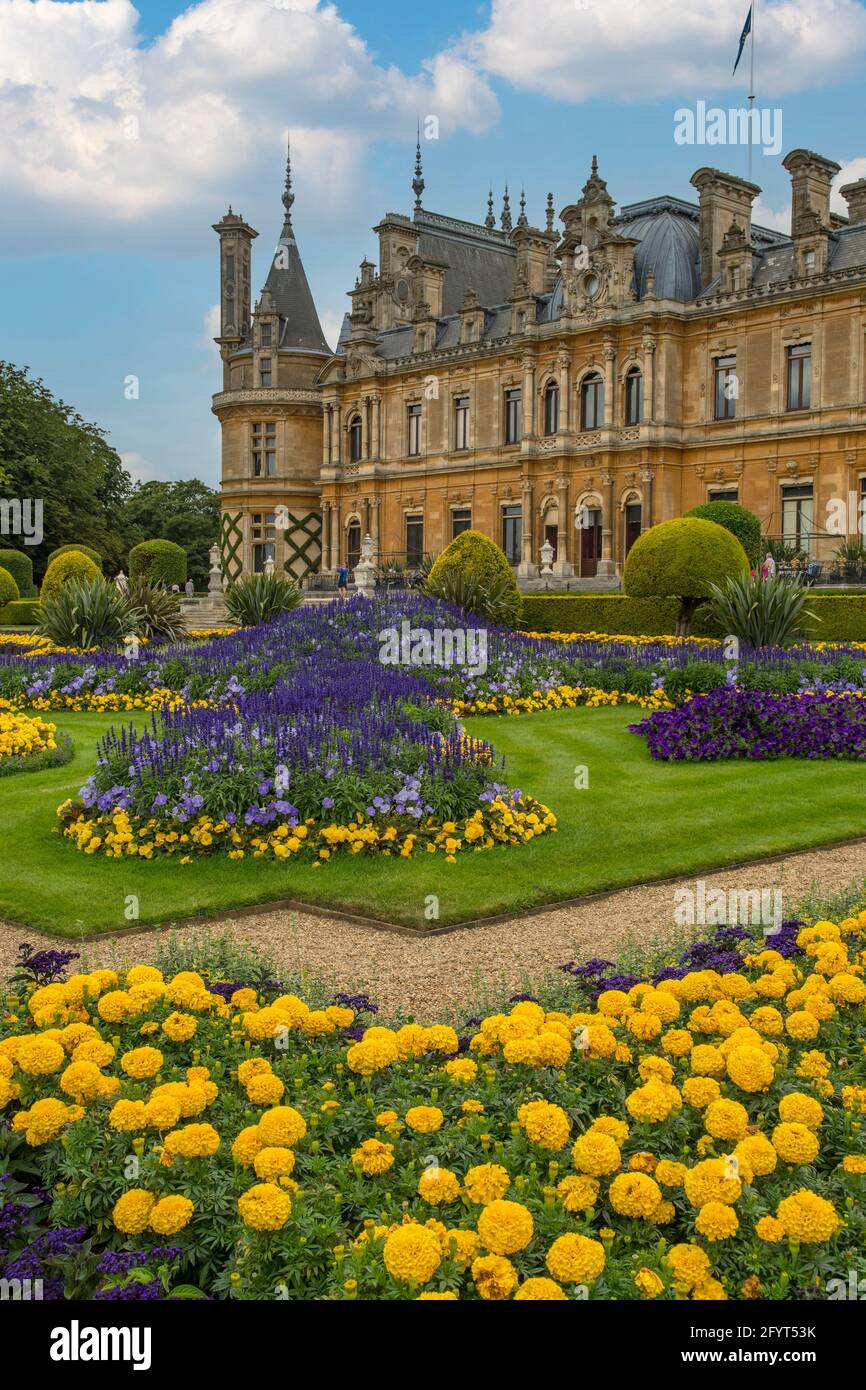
x: 809, y: 262
x: 266, y: 335
x: 265, y: 371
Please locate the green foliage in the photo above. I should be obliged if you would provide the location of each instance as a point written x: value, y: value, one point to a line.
x: 258, y: 598
x: 86, y: 613
x: 8, y: 588
x: 20, y: 566
x: 160, y: 562
x: 837, y: 617
x: 186, y: 512
x: 474, y: 554
x: 66, y: 568
x: 850, y: 557
x: 760, y: 612
x: 45, y: 757
x: 495, y: 598
x: 87, y: 550
x: 23, y: 613
x: 158, y: 609
x: 682, y: 559
x: 739, y: 521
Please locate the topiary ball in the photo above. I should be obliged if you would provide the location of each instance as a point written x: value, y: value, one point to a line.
x: 8, y: 588
x: 87, y: 550
x: 159, y: 562
x: 477, y: 554
x: 738, y: 520
x: 20, y: 566
x: 71, y: 565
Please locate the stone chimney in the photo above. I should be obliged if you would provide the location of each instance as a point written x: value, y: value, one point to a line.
x: 811, y: 177
x: 855, y: 196
x: 723, y: 199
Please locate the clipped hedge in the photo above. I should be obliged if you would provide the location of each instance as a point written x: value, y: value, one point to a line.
x: 842, y: 616
x: 87, y: 550
x: 8, y: 588
x: 72, y: 565
x: 738, y: 520
x: 20, y: 566
x: 22, y: 612
x: 159, y: 562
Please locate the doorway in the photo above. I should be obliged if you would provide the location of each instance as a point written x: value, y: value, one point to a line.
x: 590, y: 543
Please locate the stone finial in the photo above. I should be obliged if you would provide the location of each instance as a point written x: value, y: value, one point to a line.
x: 418, y: 181
x: 288, y: 196
x: 549, y: 213
x: 505, y: 219
x: 523, y: 220
x: 490, y: 220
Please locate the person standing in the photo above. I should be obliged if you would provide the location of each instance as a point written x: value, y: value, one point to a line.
x: 190, y: 588
x: 768, y: 568
x: 343, y: 581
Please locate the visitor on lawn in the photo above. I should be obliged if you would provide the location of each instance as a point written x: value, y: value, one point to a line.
x: 343, y: 581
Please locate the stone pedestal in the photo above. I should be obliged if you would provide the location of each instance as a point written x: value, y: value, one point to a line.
x: 365, y: 570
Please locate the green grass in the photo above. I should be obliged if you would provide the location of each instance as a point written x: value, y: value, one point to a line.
x: 637, y: 820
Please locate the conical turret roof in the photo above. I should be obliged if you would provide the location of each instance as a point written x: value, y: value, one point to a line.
x: 300, y: 330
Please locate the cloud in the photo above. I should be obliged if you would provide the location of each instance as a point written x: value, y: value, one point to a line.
x: 210, y: 327
x: 139, y: 469
x: 637, y: 49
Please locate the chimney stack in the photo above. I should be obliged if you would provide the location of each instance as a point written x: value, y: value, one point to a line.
x: 723, y: 199
x: 855, y: 196
x: 811, y: 177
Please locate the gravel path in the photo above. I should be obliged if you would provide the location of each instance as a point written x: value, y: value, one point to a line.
x: 431, y: 977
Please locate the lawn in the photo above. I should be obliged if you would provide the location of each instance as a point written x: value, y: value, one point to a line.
x: 636, y: 820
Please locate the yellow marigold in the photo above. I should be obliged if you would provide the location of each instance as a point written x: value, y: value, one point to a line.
x: 613, y: 1002
x: 115, y: 1006
x: 460, y: 1246
x: 716, y: 1221
x: 770, y: 1230
x: 854, y: 1163
x: 798, y: 1108
x: 545, y: 1124
x: 247, y: 1145
x: 431, y: 1296
x: 802, y: 1026
x: 712, y: 1180
x: 635, y: 1194
x: 758, y: 1152
x: 44, y: 1120
x: 575, y: 1259
x: 847, y: 989
x: 726, y: 1119
x: 82, y: 1080
x: 127, y: 1116
x: 282, y: 1127
x: 505, y: 1227
x: 143, y: 975
x: 373, y: 1157
x: 596, y: 1154
x: 472, y: 1107
x: 617, y: 1129
x: 412, y: 1253
x: 670, y: 1174
x: 265, y: 1207
x: 273, y: 1164
x: 438, y: 1186
x: 495, y: 1277
x: 386, y: 1118
x: 170, y: 1215
x: 131, y: 1212
x: 93, y: 1050
x: 538, y: 1289
x: 806, y: 1217
x: 795, y: 1143
x: 372, y: 1054
x: 700, y: 1091
x: 648, y: 1283
x: 193, y: 1141
x: 142, y: 1062
x: 424, y: 1119
x: 265, y: 1089
x: 40, y: 1056
x: 441, y: 1038
x: 653, y: 1102
x: 162, y: 1111
x: 711, y: 1290
x: 411, y: 1041
x: 677, y: 1041
x: 750, y: 1069
x: 485, y: 1183
x: 253, y: 1066
x: 689, y: 1263
x: 653, y: 1068
x: 179, y: 1027
x: 462, y: 1069
x: 768, y: 1021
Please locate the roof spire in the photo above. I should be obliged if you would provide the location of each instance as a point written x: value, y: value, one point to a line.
x: 490, y: 220
x: 550, y: 212
x: 506, y: 212
x: 523, y: 220
x: 288, y: 195
x: 595, y: 164
x: 418, y: 181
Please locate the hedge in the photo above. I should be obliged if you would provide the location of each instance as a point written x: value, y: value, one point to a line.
x: 159, y: 562
x: 842, y: 616
x: 738, y: 520
x: 23, y: 612
x: 20, y: 566
x: 87, y: 550
x: 71, y: 565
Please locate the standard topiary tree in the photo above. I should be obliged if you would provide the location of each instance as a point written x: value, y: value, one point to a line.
x: 738, y: 520
x: 8, y: 588
x: 683, y: 559
x: 474, y: 556
x: 20, y: 566
x: 87, y: 550
x: 72, y: 565
x: 159, y: 562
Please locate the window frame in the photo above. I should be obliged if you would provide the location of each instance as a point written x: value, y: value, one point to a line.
x: 413, y: 429
x: 465, y: 516
x: 511, y: 525
x: 592, y: 389
x: 513, y: 422
x: 633, y: 388
x: 551, y: 408
x: 798, y: 356
x: 356, y: 438
x: 724, y: 368
x: 263, y: 447
x: 414, y: 522
x: 461, y: 424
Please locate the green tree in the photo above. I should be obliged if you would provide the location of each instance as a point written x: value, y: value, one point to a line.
x: 683, y: 559
x: 186, y: 512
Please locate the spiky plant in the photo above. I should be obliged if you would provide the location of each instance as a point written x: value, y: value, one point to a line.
x: 258, y: 598
x: 160, y: 618
x: 87, y: 613
x: 760, y: 612
x: 492, y: 597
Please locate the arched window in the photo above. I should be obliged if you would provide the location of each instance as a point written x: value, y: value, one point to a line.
x: 592, y: 402
x: 355, y: 439
x: 551, y: 408
x: 633, y: 395
x: 353, y: 544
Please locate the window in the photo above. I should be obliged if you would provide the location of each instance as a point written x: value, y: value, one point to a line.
x: 264, y: 371
x: 512, y: 531
x: 724, y: 494
x: 413, y: 422
x: 592, y: 402
x: 264, y: 450
x: 353, y: 544
x: 355, y: 438
x: 633, y: 395
x: 809, y: 262
x: 264, y: 538
x: 266, y: 335
x: 800, y: 376
x: 461, y: 422
x: 414, y: 539
x: 513, y: 415
x: 551, y: 408
x: 633, y: 521
x: 726, y: 388
x: 861, y: 511
x: 461, y: 520
x: 797, y: 514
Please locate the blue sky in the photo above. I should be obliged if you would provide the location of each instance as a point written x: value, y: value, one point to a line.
x: 108, y: 265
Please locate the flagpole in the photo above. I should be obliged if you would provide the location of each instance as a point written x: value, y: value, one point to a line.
x: 751, y: 82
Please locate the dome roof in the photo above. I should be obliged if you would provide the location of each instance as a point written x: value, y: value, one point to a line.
x: 667, y: 230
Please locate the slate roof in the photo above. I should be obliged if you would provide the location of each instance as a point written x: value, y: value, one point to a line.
x: 476, y: 257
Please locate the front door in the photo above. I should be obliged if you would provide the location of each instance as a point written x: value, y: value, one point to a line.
x: 632, y: 524
x: 590, y: 543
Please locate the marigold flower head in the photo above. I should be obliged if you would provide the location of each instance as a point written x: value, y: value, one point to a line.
x: 795, y: 1143
x: 424, y: 1119
x: 716, y: 1221
x: 170, y: 1215
x: 131, y: 1211
x: 486, y: 1182
x: 412, y: 1253
x: 807, y: 1218
x: 495, y: 1277
x: 438, y: 1186
x: 537, y: 1289
x: 596, y: 1154
x: 545, y: 1124
x: 142, y: 1062
x: 505, y: 1227
x: 575, y: 1259
x: 648, y: 1283
x: 635, y: 1194
x: 282, y: 1127
x: 373, y: 1157
x: 273, y: 1164
x: 265, y: 1207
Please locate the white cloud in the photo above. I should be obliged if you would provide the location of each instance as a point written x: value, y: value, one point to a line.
x: 331, y: 321
x: 851, y: 171
x: 210, y: 327
x: 139, y: 469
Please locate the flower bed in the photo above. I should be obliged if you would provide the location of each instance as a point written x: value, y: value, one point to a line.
x: 28, y: 743
x: 694, y: 1136
x: 759, y: 726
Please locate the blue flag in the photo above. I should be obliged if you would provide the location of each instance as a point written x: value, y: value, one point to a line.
x: 747, y: 29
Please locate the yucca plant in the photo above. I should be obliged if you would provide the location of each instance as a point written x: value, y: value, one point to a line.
x: 87, y: 613
x: 160, y: 618
x: 258, y: 598
x: 760, y: 612
x: 493, y: 597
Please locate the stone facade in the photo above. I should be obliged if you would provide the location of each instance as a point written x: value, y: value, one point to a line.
x: 574, y: 386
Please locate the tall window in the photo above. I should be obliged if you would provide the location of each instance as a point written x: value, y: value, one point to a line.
x: 633, y: 395
x: 264, y: 371
x: 809, y: 263
x: 592, y: 402
x: 800, y: 376
x: 513, y: 415
x: 266, y: 335
x: 797, y: 505
x: 414, y: 538
x: 461, y: 422
x: 512, y: 531
x: 353, y: 544
x: 551, y: 408
x: 633, y: 520
x: 264, y: 539
x: 355, y: 439
x: 461, y: 520
x: 413, y: 423
x: 264, y: 450
x: 726, y: 388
